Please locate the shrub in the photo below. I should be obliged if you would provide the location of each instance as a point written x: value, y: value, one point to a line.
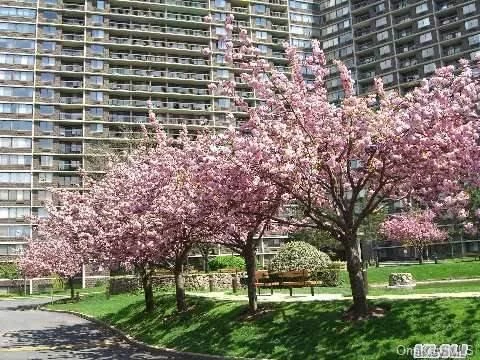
x: 329, y: 277
x: 299, y: 255
x: 227, y: 262
x: 9, y: 271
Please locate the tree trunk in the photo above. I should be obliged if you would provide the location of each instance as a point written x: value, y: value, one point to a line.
x: 250, y: 256
x: 180, y: 284
x: 146, y: 277
x: 72, y: 290
x: 354, y: 267
x: 420, y: 255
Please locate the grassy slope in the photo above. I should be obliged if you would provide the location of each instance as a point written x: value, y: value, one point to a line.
x: 290, y: 330
x: 441, y: 271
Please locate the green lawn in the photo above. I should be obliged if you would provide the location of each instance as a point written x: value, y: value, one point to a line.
x: 289, y: 330
x: 444, y: 270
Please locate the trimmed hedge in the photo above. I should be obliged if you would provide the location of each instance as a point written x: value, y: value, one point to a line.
x: 227, y: 262
x: 329, y: 277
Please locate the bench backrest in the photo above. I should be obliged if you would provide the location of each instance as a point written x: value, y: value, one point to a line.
x: 294, y: 274
x: 261, y: 274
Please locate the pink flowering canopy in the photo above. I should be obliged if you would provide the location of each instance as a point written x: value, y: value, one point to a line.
x: 339, y: 162
x: 415, y: 229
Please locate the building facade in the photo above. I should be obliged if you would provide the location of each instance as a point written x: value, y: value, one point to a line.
x: 76, y: 75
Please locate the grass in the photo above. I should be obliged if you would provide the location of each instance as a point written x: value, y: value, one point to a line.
x: 442, y: 271
x: 289, y: 330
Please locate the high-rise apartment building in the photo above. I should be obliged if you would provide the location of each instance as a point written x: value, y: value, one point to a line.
x: 76, y: 75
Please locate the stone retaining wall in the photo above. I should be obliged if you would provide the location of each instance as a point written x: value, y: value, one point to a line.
x: 220, y: 281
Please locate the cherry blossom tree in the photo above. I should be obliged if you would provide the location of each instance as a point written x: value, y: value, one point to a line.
x: 339, y: 162
x: 415, y: 228
x: 243, y: 202
x: 51, y: 255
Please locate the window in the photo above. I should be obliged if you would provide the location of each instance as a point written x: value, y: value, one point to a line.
x: 15, y: 91
x: 221, y: 44
x: 45, y: 178
x: 220, y: 3
x: 426, y: 37
x: 260, y: 9
x: 220, y: 31
x: 468, y: 9
x: 46, y: 160
x: 223, y: 103
x: 382, y: 36
x: 222, y: 73
x: 97, y: 49
x: 11, y: 59
x: 96, y: 80
x: 96, y: 96
x: 98, y: 34
x: 44, y: 195
x: 49, y: 30
x: 48, y: 61
x: 219, y: 59
x: 329, y: 43
x: 96, y: 112
x: 50, y: 15
x: 429, y: 68
x: 428, y: 52
x: 260, y: 22
x: 13, y: 213
x: 380, y: 8
x: 386, y: 64
x: 471, y: 24
x: 421, y: 8
x: 47, y: 93
x: 97, y: 19
x: 45, y: 144
x: 99, y: 4
x: 381, y: 22
x: 423, y: 22
x: 97, y: 64
x: 261, y: 35
x: 384, y: 50
x: 45, y: 126
x: 48, y: 46
x: 96, y: 128
x: 8, y: 43
x: 21, y: 143
x: 16, y: 108
x: 263, y: 49
x: 17, y: 12
x: 473, y: 40
x: 47, y: 77
x: 46, y: 109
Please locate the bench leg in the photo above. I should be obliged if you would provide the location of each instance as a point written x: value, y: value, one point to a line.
x: 312, y: 290
x: 259, y: 291
x: 291, y: 291
x: 271, y: 290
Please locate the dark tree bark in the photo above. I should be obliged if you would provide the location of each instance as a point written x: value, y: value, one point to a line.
x: 146, y: 277
x: 249, y: 253
x: 420, y: 255
x: 180, y: 283
x: 354, y: 267
x: 72, y: 290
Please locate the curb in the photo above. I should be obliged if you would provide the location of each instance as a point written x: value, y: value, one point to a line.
x: 142, y: 345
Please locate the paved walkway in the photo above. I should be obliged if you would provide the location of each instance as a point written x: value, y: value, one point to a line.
x: 332, y: 297
x: 41, y: 335
x: 426, y: 282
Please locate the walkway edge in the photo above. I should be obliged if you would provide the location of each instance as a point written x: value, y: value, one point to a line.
x: 131, y: 340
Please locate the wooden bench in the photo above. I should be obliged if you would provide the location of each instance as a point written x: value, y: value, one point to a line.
x: 285, y: 280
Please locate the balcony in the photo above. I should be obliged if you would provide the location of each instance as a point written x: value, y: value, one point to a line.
x: 448, y: 20
x: 69, y: 21
x: 362, y: 18
x: 71, y: 84
x: 410, y: 78
x: 72, y: 52
x: 71, y: 100
x: 77, y: 7
x: 452, y: 35
x: 277, y: 14
x: 73, y: 37
x: 367, y: 60
x: 71, y: 68
x: 409, y: 62
x: 240, y: 10
x: 70, y: 116
x: 452, y: 51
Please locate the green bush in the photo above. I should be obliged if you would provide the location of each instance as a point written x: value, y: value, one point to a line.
x: 299, y: 255
x: 9, y: 271
x: 227, y: 262
x: 329, y: 277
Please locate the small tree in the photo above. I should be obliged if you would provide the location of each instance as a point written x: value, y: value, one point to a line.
x: 415, y: 229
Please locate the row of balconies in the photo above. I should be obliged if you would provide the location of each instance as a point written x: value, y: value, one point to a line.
x: 157, y: 28
x: 158, y: 73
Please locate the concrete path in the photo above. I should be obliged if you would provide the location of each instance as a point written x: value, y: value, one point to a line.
x: 332, y: 297
x: 426, y: 282
x: 39, y: 335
